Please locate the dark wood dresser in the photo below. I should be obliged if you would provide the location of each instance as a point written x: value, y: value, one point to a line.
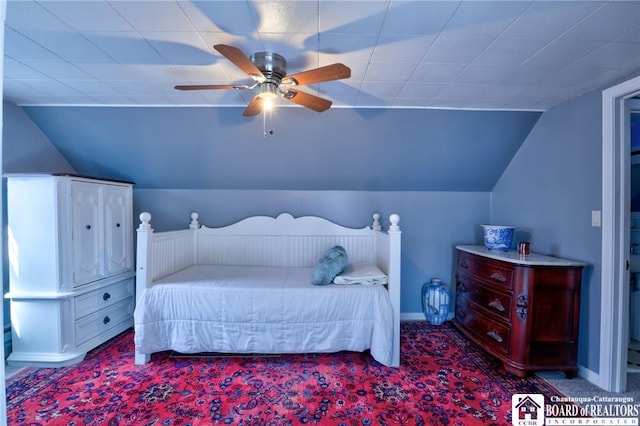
x: 524, y: 310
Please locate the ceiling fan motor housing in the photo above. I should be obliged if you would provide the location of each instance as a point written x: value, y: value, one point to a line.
x: 272, y: 65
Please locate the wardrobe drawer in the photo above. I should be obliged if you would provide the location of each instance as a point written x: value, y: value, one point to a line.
x: 493, y: 334
x: 102, y: 321
x: 496, y: 273
x: 496, y: 302
x: 99, y: 299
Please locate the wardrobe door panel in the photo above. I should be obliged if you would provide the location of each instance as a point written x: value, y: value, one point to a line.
x: 117, y: 229
x: 86, y: 233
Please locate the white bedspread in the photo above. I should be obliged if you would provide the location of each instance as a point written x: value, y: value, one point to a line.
x: 262, y: 310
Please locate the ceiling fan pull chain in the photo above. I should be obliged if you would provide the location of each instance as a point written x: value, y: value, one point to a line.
x: 264, y: 122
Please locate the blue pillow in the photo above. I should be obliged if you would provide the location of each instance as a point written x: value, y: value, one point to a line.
x: 331, y: 264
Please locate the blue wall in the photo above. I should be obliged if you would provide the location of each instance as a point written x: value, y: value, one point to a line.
x: 549, y: 190
x: 25, y: 148
x: 635, y: 161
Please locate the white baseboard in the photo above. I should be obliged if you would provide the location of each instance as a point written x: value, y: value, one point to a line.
x: 589, y: 375
x: 412, y: 316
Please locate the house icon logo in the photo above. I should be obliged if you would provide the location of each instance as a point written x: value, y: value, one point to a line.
x: 527, y: 409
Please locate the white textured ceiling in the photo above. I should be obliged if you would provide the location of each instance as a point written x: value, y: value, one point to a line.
x: 519, y: 55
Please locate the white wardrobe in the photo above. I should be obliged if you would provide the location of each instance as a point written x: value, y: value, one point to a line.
x: 71, y: 280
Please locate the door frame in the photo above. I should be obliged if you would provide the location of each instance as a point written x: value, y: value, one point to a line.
x: 614, y: 304
x: 3, y: 392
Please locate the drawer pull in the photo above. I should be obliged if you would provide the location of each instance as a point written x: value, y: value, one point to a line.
x: 106, y: 320
x: 106, y: 296
x: 461, y: 314
x: 495, y: 304
x: 495, y: 335
x: 117, y: 225
x: 88, y: 227
x: 499, y: 277
x: 463, y: 264
x: 461, y: 287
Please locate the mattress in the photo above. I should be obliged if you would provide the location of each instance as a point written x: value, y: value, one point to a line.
x: 240, y: 309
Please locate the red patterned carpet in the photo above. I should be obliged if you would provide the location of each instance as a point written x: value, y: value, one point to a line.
x: 443, y: 380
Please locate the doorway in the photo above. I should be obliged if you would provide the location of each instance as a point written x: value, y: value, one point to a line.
x: 614, y: 308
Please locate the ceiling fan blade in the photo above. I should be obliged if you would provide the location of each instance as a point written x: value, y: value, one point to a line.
x: 306, y: 100
x: 254, y: 107
x: 318, y: 75
x: 210, y: 87
x: 240, y: 60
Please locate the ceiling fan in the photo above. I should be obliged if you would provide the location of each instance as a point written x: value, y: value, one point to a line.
x: 268, y: 70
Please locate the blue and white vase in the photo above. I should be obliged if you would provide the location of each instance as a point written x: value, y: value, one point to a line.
x: 435, y: 301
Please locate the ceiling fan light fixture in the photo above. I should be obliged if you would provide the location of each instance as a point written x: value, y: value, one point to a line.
x: 268, y: 90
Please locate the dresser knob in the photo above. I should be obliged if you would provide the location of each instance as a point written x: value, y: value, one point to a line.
x: 495, y: 335
x: 117, y: 225
x: 495, y: 304
x: 498, y: 277
x: 461, y: 287
x: 106, y: 320
x: 88, y: 226
x: 106, y: 296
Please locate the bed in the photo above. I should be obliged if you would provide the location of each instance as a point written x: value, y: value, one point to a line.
x: 247, y: 288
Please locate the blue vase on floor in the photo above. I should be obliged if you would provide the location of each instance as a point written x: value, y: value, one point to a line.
x: 435, y: 301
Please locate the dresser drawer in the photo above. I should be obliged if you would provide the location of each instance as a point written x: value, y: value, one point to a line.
x: 491, y: 333
x: 99, y: 299
x: 493, y: 272
x: 492, y: 300
x: 100, y: 322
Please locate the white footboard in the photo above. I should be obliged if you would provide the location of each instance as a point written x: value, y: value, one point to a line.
x: 388, y: 258
x: 284, y: 241
x: 162, y: 254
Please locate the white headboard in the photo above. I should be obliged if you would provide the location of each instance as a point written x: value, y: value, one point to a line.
x: 283, y: 241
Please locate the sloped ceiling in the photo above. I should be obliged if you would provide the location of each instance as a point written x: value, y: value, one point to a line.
x: 342, y: 149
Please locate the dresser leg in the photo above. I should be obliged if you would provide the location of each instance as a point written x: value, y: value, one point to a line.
x: 515, y: 371
x: 571, y: 374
